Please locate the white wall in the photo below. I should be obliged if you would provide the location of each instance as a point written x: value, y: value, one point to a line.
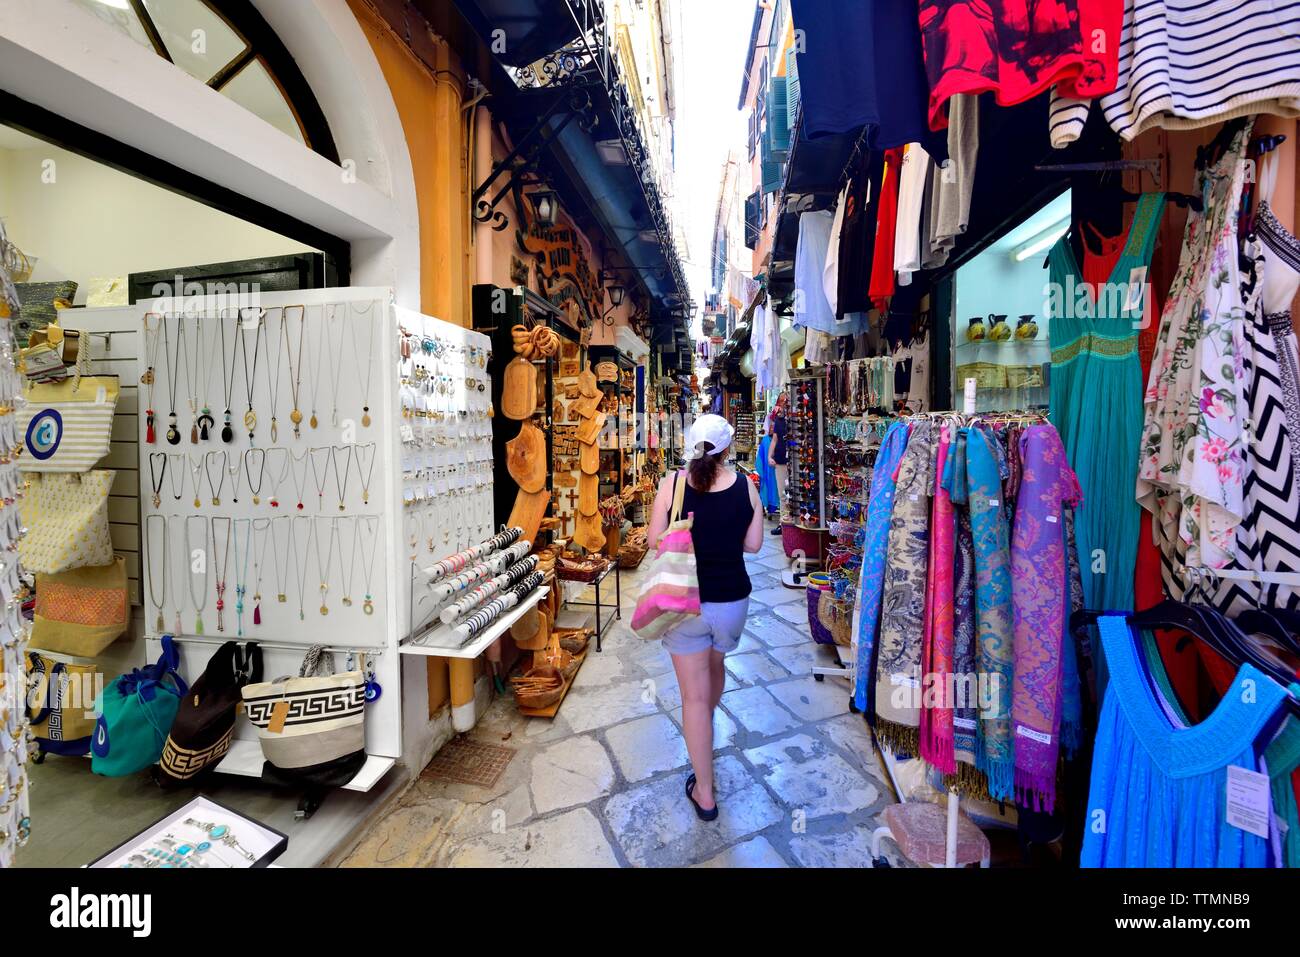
x: 93, y: 221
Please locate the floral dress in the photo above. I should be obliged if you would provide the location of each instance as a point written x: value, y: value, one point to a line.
x: 1191, y: 470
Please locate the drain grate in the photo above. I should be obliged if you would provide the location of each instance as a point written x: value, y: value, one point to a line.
x: 469, y: 762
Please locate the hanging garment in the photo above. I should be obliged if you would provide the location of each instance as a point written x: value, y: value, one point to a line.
x: 880, y: 508
x: 860, y: 66
x: 986, y: 467
x: 1184, y: 66
x: 903, y: 605
x: 811, y: 308
x: 831, y: 271
x: 912, y: 180
x: 1283, y: 759
x: 1157, y: 794
x: 767, y: 489
x: 1190, y: 473
x: 882, y: 264
x: 966, y: 704
x: 918, y: 385
x: 936, y: 729
x: 858, y: 235
x: 953, y: 183
x: 1096, y: 400
x: 1041, y: 610
x: 1016, y: 48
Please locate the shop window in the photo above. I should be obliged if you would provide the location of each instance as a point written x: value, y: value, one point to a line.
x: 753, y: 217
x: 225, y: 44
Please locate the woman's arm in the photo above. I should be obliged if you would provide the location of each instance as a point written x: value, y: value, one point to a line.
x: 754, y: 534
x: 659, y: 511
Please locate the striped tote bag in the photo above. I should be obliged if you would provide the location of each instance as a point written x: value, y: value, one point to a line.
x: 66, y: 426
x: 672, y: 593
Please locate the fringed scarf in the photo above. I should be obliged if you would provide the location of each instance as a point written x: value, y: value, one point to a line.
x: 991, y: 531
x: 880, y: 507
x: 966, y: 707
x: 1040, y: 596
x: 902, y: 616
x: 936, y: 728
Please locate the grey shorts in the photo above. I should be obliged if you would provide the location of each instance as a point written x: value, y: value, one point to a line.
x: 718, y: 627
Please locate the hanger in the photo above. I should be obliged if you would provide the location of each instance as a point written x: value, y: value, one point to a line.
x: 1262, y: 621
x: 1213, y: 150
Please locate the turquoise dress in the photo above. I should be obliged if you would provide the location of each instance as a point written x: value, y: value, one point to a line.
x: 1096, y: 404
x: 1158, y: 792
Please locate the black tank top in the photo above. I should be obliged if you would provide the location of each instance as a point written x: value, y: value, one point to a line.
x: 721, y: 520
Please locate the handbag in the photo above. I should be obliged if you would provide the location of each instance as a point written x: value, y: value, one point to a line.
x: 67, y: 425
x: 134, y: 715
x: 61, y: 704
x: 312, y: 727
x: 205, y: 722
x: 672, y: 590
x: 66, y: 517
x: 82, y: 611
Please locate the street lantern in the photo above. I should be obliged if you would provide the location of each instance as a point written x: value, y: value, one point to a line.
x: 546, y: 205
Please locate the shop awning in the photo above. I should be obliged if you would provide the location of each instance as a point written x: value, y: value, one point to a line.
x: 528, y: 29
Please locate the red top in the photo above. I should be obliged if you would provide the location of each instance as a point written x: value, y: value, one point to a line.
x: 882, y: 260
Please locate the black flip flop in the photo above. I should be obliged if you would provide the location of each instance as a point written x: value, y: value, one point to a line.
x: 711, y: 814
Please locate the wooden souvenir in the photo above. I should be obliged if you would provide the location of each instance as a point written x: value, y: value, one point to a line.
x: 565, y: 480
x: 590, y: 534
x: 519, y: 389
x: 526, y: 458
x: 589, y: 459
x: 558, y: 412
x: 569, y: 368
x: 569, y: 350
x: 585, y: 407
x: 529, y: 509
x: 587, y: 382
x: 588, y: 494
x: 531, y: 632
x: 589, y: 431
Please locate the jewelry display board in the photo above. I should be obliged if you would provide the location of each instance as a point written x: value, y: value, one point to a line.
x: 201, y: 835
x: 272, y: 487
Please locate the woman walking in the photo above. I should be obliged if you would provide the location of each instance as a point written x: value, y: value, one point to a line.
x: 728, y: 522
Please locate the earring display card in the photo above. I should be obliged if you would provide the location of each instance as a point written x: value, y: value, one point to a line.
x: 201, y: 835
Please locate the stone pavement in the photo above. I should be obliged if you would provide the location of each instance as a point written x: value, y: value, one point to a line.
x: 601, y: 785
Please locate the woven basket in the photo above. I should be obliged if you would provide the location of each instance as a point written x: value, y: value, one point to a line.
x: 820, y: 633
x: 543, y: 699
x: 836, y: 618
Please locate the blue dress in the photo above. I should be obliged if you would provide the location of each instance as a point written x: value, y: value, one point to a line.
x: 1158, y: 794
x: 767, y: 492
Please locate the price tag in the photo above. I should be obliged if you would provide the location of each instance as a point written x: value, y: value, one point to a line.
x: 1248, y: 800
x: 1137, y: 278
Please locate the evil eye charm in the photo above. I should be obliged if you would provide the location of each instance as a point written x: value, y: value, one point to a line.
x: 373, y: 691
x: 44, y: 433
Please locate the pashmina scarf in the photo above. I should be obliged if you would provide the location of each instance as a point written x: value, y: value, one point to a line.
x: 902, y: 616
x: 1040, y: 598
x: 880, y: 506
x: 966, y: 707
x: 936, y: 728
x: 991, y: 530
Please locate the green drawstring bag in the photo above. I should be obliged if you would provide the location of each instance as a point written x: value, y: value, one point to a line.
x: 135, y: 714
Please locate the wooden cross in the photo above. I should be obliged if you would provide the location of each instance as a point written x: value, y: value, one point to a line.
x: 564, y: 526
x: 573, y: 499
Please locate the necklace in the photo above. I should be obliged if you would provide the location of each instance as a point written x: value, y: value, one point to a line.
x: 152, y: 337
x: 282, y: 340
x: 173, y: 375
x: 250, y: 417
x: 295, y: 375
x: 316, y: 476
x: 180, y: 597
x: 284, y: 471
x: 196, y: 469
x: 315, y: 372
x: 241, y: 571
x: 157, y: 595
x: 221, y: 470
x: 192, y: 379
x: 156, y: 476
x: 342, y: 489
x: 232, y: 469
x: 301, y: 567
x: 336, y: 366
x: 177, y: 471
x: 280, y: 595
x: 328, y: 564
x: 261, y: 474
x: 201, y: 602
x: 227, y: 381
x: 204, y: 419
x: 225, y: 562
x: 299, y: 487
x: 259, y: 565
x: 370, y: 355
x: 368, y: 562
x: 367, y: 471
x: 347, y: 573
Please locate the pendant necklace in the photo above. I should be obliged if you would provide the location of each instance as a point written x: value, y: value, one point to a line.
x: 328, y: 564
x: 157, y: 596
x: 151, y: 340
x: 228, y: 379
x: 367, y: 315
x: 368, y: 562
x: 336, y: 367
x: 191, y: 377
x: 232, y: 469
x: 225, y: 563
x: 342, y: 489
x: 203, y: 419
x: 173, y: 375
x: 299, y: 486
x: 259, y: 565
x: 282, y: 473
x: 261, y: 473
x: 177, y: 470
x: 315, y: 474
x: 281, y: 340
x: 196, y: 469
x: 156, y: 476
x: 241, y: 571
x: 315, y: 371
x: 250, y: 417
x: 300, y: 565
x: 180, y: 596
x: 280, y: 595
x: 366, y: 473
x: 347, y: 573
x: 221, y: 471
x: 295, y: 369
x: 199, y: 603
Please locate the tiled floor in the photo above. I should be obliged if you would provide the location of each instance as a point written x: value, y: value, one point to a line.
x: 799, y: 783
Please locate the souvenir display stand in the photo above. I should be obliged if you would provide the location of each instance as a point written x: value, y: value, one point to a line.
x: 804, y: 531
x: 271, y: 507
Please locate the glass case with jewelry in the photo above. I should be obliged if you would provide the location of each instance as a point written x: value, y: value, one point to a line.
x: 202, y: 835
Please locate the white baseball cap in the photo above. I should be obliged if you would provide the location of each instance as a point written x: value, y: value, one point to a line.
x: 708, y: 435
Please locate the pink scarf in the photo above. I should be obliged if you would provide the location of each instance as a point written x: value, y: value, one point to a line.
x: 936, y: 730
